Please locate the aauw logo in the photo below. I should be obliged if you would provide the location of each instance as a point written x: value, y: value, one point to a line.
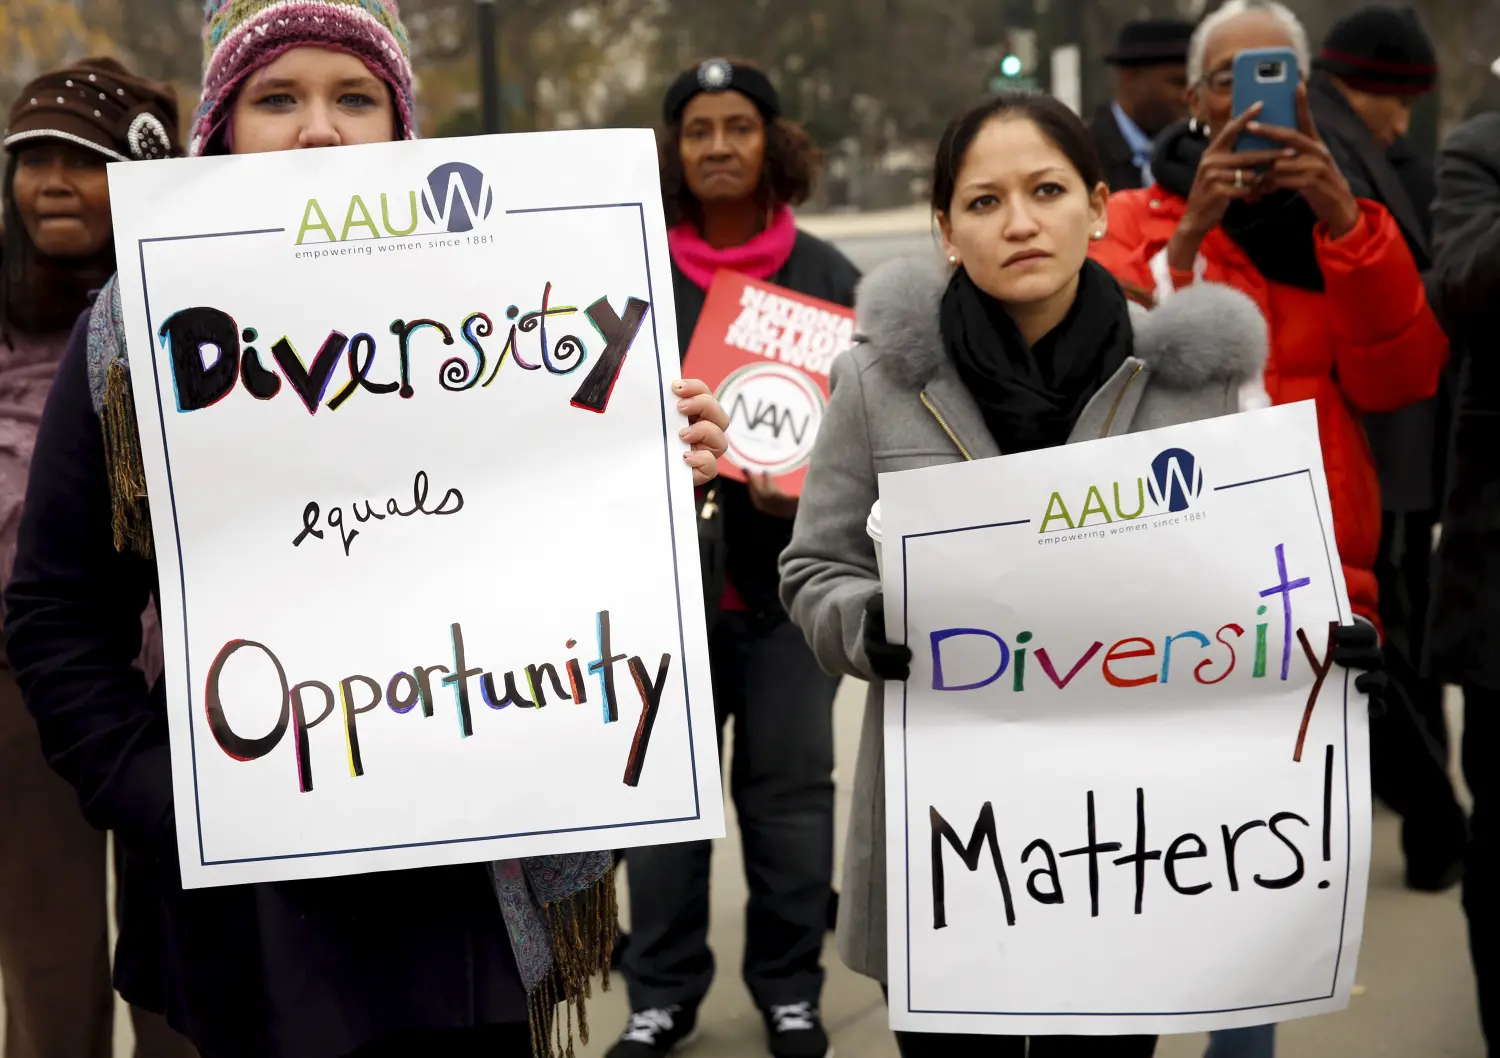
x: 1174, y: 482
x: 455, y: 198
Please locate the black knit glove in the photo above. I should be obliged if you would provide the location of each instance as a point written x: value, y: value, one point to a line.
x: 888, y: 661
x: 1357, y: 646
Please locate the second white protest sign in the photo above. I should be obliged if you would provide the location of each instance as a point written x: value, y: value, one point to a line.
x: 1127, y: 790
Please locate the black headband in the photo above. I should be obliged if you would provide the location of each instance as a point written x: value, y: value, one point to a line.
x: 721, y: 75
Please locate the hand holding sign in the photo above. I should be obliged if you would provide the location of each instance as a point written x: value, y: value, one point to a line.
x: 705, y: 428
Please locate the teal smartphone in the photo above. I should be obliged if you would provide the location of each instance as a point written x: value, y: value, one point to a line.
x: 1268, y: 76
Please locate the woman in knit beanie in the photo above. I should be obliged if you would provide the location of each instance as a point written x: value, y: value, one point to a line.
x: 473, y: 959
x: 55, y: 248
x: 248, y: 43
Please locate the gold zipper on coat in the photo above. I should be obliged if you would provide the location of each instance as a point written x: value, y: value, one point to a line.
x: 1110, y: 419
x: 946, y: 429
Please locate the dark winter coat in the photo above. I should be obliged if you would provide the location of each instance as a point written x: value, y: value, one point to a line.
x: 310, y: 969
x: 754, y: 540
x: 1464, y: 641
x: 1406, y: 444
x: 1120, y: 171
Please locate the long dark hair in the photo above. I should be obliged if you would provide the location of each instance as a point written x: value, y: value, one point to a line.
x: 40, y: 294
x: 1062, y: 128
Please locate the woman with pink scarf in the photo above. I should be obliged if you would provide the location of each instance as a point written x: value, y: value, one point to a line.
x: 732, y: 167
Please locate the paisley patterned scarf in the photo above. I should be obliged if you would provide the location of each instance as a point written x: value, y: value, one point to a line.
x: 560, y: 911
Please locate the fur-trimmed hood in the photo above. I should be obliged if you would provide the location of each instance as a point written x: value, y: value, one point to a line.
x: 1204, y: 333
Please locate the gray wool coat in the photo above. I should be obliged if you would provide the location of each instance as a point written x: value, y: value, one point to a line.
x: 898, y: 404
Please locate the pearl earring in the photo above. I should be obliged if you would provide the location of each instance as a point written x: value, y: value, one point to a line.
x: 1193, y: 126
x: 1097, y: 236
x: 953, y: 259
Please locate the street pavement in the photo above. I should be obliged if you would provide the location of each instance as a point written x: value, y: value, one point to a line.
x: 1414, y: 999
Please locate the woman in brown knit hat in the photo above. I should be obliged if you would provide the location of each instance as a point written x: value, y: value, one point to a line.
x: 55, y: 249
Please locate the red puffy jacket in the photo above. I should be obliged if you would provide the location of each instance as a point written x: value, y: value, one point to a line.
x: 1367, y: 343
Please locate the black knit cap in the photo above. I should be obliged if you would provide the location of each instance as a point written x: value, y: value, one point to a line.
x: 1381, y: 50
x: 721, y: 75
x: 1153, y: 42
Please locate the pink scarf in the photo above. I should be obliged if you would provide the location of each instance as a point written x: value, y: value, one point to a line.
x: 760, y: 258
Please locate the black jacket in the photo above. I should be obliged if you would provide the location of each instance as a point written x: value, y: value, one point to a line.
x: 310, y: 969
x: 1366, y: 165
x: 1407, y: 444
x: 755, y: 540
x: 1120, y: 170
x: 1464, y: 641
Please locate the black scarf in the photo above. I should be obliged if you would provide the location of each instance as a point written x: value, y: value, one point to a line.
x: 1032, y: 397
x: 1276, y: 233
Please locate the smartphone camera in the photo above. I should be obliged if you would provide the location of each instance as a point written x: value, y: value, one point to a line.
x: 1271, y: 72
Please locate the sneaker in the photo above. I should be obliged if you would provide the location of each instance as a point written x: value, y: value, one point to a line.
x: 796, y: 1031
x: 655, y: 1032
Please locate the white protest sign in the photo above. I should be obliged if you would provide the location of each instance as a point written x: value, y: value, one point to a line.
x: 1127, y: 790
x: 429, y: 574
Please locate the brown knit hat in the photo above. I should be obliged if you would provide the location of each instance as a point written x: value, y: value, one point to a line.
x: 98, y: 104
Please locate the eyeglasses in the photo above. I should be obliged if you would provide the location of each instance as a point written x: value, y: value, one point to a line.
x: 1220, y: 82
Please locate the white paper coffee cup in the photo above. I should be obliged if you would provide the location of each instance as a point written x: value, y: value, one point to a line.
x: 872, y: 529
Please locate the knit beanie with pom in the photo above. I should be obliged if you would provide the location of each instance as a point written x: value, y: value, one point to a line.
x: 241, y: 36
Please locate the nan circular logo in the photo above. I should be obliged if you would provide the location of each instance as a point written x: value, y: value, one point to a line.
x: 774, y: 415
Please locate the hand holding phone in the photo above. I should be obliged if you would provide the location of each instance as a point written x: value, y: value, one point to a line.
x: 1224, y: 176
x: 1307, y: 167
x: 1269, y: 77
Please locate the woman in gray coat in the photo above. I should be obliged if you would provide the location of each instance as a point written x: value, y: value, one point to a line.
x: 1019, y: 344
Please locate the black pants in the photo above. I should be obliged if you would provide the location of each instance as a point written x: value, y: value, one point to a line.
x: 768, y: 681
x: 1409, y: 772
x: 954, y: 1045
x: 486, y: 1041
x: 1481, y: 749
x: 1403, y: 569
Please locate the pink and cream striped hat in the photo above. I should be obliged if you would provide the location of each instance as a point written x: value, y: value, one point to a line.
x: 241, y: 36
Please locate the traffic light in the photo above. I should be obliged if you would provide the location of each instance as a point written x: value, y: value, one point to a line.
x: 1016, y: 70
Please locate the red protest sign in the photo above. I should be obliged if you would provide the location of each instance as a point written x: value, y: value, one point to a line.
x: 766, y: 352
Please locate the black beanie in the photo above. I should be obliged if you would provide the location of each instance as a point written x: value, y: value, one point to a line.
x: 1381, y: 50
